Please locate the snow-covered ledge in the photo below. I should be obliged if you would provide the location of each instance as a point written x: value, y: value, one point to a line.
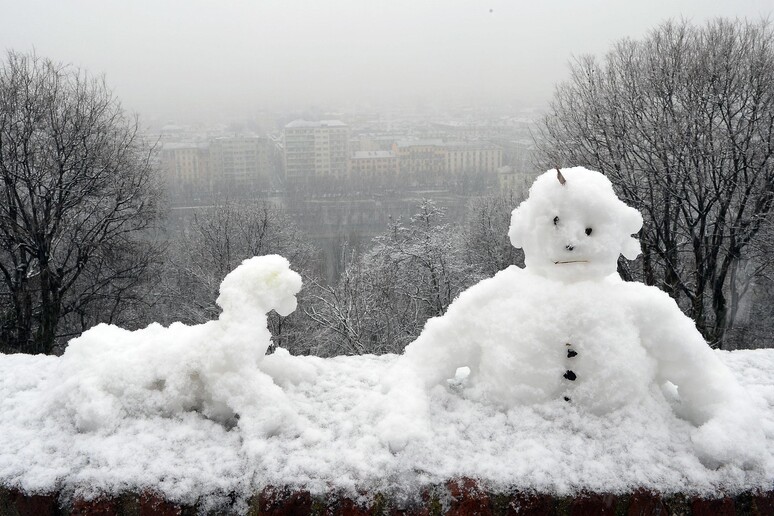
x: 329, y: 456
x: 554, y: 389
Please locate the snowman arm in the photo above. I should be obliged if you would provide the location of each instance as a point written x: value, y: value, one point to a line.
x: 440, y: 350
x: 432, y: 358
x: 704, y: 383
x: 452, y: 340
x: 727, y: 422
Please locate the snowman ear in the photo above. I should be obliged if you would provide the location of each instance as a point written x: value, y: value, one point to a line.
x: 631, y: 248
x: 631, y: 220
x: 518, y: 225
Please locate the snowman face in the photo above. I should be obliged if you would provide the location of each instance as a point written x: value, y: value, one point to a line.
x: 262, y: 283
x: 572, y: 243
x: 575, y: 230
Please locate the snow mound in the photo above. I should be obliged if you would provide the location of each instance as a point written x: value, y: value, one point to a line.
x: 109, y: 373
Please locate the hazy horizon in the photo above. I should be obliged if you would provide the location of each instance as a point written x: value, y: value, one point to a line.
x: 176, y: 58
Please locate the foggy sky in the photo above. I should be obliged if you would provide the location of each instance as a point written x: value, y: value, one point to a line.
x: 164, y: 57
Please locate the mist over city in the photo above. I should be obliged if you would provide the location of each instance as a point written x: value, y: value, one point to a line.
x: 191, y: 60
x: 323, y: 130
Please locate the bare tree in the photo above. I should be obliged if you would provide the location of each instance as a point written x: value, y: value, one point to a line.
x: 413, y: 272
x: 485, y: 235
x: 214, y: 242
x: 752, y: 295
x: 682, y: 123
x: 77, y: 197
x: 346, y: 317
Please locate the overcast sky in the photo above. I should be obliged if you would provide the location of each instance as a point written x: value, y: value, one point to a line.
x: 165, y: 57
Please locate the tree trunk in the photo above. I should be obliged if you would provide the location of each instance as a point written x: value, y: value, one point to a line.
x: 50, y: 310
x: 720, y: 307
x: 20, y: 330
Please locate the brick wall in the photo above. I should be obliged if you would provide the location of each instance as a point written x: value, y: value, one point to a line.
x: 457, y: 497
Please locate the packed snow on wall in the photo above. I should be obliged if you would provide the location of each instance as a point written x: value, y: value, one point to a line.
x: 558, y: 377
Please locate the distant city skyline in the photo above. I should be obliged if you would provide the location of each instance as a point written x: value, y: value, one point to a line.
x: 180, y: 58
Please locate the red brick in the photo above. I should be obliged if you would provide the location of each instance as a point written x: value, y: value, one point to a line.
x: 593, y: 505
x: 284, y: 502
x: 646, y: 503
x: 468, y: 498
x: 98, y: 507
x: 713, y: 507
x: 152, y: 504
x: 530, y: 504
x: 346, y: 507
x: 35, y: 505
x: 763, y: 504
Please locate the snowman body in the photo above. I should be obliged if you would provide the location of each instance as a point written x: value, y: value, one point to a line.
x: 581, y: 343
x: 564, y: 327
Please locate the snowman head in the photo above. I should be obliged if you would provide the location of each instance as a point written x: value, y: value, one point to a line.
x: 260, y: 284
x: 572, y: 226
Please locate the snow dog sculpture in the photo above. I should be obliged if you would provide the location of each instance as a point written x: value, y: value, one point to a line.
x: 567, y: 329
x: 211, y: 368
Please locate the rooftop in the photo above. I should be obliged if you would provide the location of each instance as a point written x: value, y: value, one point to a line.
x: 320, y: 123
x: 184, y: 145
x: 372, y: 154
x: 420, y: 143
x: 470, y: 145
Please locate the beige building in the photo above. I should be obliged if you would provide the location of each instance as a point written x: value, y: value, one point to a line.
x: 239, y: 163
x: 515, y: 182
x: 435, y: 160
x: 316, y: 150
x: 371, y: 143
x: 422, y: 159
x: 186, y: 166
x: 508, y: 180
x: 473, y: 157
x: 373, y: 166
x: 231, y: 165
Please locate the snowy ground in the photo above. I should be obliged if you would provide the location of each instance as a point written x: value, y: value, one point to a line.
x: 331, y: 440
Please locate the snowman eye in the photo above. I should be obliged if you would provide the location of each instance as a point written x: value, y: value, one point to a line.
x: 556, y: 220
x: 588, y: 231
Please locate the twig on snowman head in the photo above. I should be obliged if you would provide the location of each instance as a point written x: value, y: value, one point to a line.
x: 559, y: 176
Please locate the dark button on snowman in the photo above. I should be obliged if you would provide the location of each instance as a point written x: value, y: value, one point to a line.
x: 570, y: 374
x: 566, y: 327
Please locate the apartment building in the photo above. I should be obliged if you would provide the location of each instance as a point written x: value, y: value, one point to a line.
x: 421, y: 159
x: 434, y: 159
x: 186, y: 167
x: 479, y: 157
x: 378, y: 166
x: 239, y: 164
x: 229, y: 165
x: 316, y: 151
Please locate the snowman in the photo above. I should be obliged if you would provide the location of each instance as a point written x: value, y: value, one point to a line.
x: 567, y: 329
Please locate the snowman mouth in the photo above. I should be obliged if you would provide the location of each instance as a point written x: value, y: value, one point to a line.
x: 570, y: 261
